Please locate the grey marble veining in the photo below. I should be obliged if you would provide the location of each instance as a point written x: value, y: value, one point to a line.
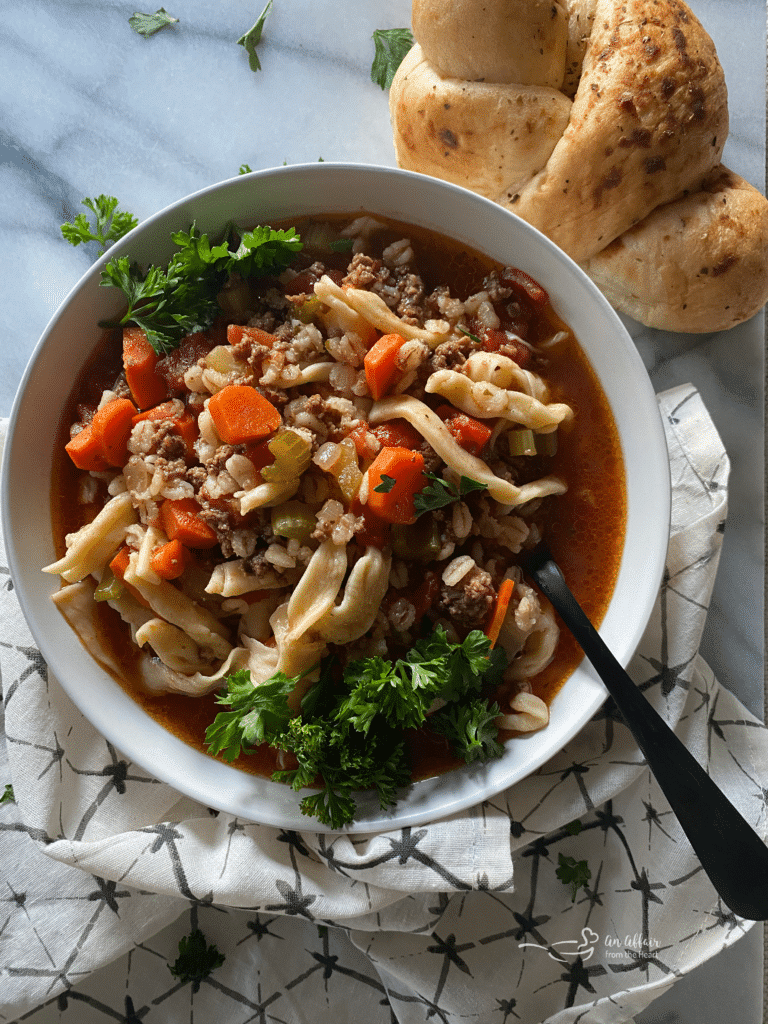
x: 87, y: 106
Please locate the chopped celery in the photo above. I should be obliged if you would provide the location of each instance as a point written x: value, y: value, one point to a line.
x: 546, y: 444
x: 292, y: 454
x: 293, y: 520
x: 309, y: 311
x: 110, y: 588
x: 417, y: 542
x: 521, y: 442
x: 347, y: 470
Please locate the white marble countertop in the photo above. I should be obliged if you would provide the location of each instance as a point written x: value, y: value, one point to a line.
x: 89, y: 107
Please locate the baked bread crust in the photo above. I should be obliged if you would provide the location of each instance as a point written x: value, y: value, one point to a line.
x: 646, y: 126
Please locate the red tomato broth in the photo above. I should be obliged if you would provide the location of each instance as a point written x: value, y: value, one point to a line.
x: 584, y: 528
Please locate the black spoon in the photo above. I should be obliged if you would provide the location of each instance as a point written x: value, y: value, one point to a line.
x: 730, y: 851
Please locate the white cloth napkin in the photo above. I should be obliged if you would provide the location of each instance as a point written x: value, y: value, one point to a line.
x: 465, y: 919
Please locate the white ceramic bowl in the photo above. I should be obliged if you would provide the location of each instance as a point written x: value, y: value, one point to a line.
x: 284, y: 193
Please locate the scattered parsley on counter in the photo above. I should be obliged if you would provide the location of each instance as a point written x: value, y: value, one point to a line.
x: 442, y: 492
x: 147, y: 24
x: 110, y: 223
x: 196, y: 960
x: 350, y: 733
x: 245, y: 169
x: 573, y: 872
x: 7, y: 796
x: 252, y: 38
x: 391, y: 45
x: 169, y: 304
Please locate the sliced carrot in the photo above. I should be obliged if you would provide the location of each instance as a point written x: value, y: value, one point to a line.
x: 240, y: 414
x: 399, y: 473
x: 470, y: 433
x: 184, y: 424
x: 85, y: 451
x: 170, y: 560
x: 380, y: 364
x: 237, y: 333
x: 118, y: 565
x: 499, y: 613
x: 111, y: 426
x: 148, y: 388
x: 376, y: 532
x: 181, y: 520
x: 397, y: 433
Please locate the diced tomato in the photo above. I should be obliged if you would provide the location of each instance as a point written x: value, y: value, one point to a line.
x: 173, y: 366
x: 471, y: 434
x: 398, y: 434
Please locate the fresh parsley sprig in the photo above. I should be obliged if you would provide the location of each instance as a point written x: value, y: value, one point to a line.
x: 443, y: 492
x: 251, y: 39
x: 349, y: 735
x: 169, y: 304
x: 390, y: 46
x: 109, y: 225
x: 196, y: 960
x: 573, y: 872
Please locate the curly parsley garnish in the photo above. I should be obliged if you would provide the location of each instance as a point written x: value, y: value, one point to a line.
x: 196, y: 960
x: 391, y: 45
x: 109, y: 225
x: 7, y: 797
x: 169, y: 304
x: 442, y: 492
x: 251, y: 39
x: 573, y: 872
x: 147, y: 24
x: 350, y: 733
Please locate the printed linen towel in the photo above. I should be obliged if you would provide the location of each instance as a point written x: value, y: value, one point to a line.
x: 573, y: 896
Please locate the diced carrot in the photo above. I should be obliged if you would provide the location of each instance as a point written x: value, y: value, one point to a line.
x: 397, y: 434
x: 380, y: 364
x: 148, y: 388
x: 170, y: 560
x: 111, y: 426
x: 184, y: 424
x: 498, y: 615
x: 85, y: 451
x: 240, y: 414
x: 118, y: 565
x: 400, y: 474
x: 237, y: 333
x: 470, y: 433
x: 375, y: 532
x: 524, y: 287
x: 181, y: 520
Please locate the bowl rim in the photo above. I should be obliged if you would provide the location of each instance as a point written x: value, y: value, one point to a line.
x: 425, y: 800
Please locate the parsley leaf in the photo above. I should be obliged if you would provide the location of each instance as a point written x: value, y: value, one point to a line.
x: 7, y: 796
x: 349, y: 734
x: 470, y: 729
x: 252, y: 38
x: 196, y: 960
x: 386, y: 485
x: 245, y: 169
x: 111, y: 223
x: 391, y: 45
x: 442, y: 492
x: 147, y: 24
x: 182, y: 299
x: 573, y: 872
x: 258, y: 713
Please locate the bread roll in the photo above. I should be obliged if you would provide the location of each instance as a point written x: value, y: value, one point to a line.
x: 602, y: 123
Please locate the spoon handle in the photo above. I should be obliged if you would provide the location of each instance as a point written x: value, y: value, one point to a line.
x: 730, y: 851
